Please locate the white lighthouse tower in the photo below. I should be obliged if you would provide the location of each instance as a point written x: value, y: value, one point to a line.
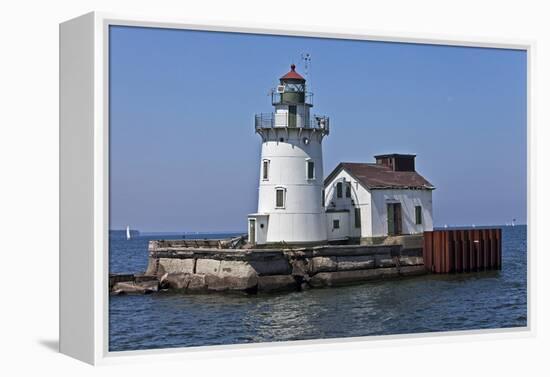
x: 290, y: 199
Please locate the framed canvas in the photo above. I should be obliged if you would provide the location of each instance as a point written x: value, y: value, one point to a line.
x: 206, y: 207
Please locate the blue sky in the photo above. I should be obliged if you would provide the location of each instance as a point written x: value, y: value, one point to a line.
x: 184, y: 155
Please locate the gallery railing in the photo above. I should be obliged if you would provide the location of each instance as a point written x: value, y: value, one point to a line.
x: 271, y: 120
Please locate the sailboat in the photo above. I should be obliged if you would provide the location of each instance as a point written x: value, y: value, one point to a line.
x: 128, y: 232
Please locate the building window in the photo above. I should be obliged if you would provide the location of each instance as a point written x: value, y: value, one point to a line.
x: 323, y: 198
x: 358, y: 217
x: 335, y: 224
x: 339, y: 190
x: 418, y: 214
x: 265, y: 170
x: 310, y: 167
x: 280, y: 199
x: 348, y: 190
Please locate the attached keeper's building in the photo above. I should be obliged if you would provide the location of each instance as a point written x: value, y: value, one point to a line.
x: 370, y: 200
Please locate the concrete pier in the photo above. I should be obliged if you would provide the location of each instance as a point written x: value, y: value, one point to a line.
x: 232, y: 265
x: 175, y: 265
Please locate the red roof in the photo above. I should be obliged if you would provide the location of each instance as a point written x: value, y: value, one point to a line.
x: 376, y: 176
x: 292, y: 74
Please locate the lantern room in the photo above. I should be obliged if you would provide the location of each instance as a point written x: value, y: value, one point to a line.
x: 291, y: 89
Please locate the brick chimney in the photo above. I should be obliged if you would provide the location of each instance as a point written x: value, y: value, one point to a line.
x: 397, y: 162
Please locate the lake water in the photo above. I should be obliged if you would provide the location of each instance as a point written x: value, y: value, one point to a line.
x: 429, y: 303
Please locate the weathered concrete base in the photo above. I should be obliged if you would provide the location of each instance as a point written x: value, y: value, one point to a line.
x: 182, y: 280
x: 186, y: 269
x: 331, y: 279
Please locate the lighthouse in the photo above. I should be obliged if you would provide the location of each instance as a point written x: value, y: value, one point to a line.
x: 290, y: 195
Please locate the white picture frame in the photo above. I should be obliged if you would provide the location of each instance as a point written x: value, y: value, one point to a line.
x: 84, y: 200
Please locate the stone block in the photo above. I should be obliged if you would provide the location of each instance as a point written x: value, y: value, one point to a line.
x: 135, y: 288
x: 411, y: 261
x: 197, y: 282
x: 323, y: 264
x: 236, y: 269
x: 384, y: 261
x: 228, y: 283
x: 177, y: 265
x: 330, y: 279
x: 362, y: 262
x: 276, y: 283
x: 208, y: 266
x: 227, y: 274
x: 185, y: 281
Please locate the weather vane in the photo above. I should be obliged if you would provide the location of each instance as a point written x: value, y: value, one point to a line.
x: 306, y: 57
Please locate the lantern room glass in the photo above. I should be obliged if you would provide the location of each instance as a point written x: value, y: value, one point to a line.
x: 294, y: 87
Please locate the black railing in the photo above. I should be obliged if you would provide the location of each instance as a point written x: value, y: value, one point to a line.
x: 270, y: 120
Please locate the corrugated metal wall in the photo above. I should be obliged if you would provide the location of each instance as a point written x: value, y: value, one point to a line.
x: 462, y: 250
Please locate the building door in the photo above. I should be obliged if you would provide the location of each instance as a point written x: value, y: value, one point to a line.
x: 252, y: 231
x: 292, y: 116
x: 394, y: 219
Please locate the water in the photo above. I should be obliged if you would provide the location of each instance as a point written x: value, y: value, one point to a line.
x: 430, y: 303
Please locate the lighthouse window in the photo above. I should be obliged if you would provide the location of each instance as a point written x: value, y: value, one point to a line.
x: 335, y: 224
x: 418, y: 214
x: 280, y: 198
x: 310, y: 169
x: 339, y: 190
x: 348, y: 190
x: 265, y: 170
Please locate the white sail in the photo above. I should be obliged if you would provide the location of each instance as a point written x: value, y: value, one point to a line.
x: 128, y: 232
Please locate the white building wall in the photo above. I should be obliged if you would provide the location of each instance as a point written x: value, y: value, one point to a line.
x: 408, y: 199
x: 361, y: 198
x: 343, y: 231
x: 302, y: 219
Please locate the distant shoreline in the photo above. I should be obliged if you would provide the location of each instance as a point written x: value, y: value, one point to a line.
x: 174, y: 233
x: 143, y: 233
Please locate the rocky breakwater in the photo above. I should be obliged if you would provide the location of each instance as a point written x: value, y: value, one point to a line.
x: 202, y: 269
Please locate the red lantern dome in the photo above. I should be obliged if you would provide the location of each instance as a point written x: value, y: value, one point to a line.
x: 292, y: 74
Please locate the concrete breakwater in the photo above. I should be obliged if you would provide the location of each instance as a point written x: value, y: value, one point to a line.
x: 175, y: 265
